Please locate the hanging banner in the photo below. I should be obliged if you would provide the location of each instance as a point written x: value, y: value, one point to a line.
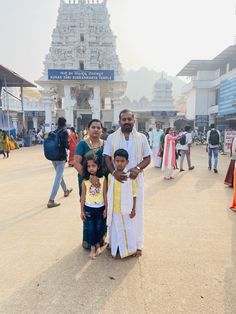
x: 81, y: 75
x: 229, y: 136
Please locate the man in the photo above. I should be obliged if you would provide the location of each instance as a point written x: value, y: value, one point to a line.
x: 59, y: 164
x: 105, y: 134
x: 185, y: 147
x: 213, y: 144
x: 155, y: 144
x: 137, y: 146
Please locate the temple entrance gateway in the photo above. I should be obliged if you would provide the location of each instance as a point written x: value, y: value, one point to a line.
x: 82, y: 76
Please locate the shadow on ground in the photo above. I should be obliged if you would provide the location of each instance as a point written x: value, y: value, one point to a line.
x: 73, y: 285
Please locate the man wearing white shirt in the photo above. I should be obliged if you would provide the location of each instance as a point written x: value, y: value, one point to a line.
x: 185, y: 148
x: 155, y: 144
x: 213, y: 144
x: 137, y: 146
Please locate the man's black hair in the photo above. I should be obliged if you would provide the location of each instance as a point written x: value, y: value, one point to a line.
x: 125, y: 111
x: 61, y: 122
x: 121, y: 153
x: 187, y: 128
x: 212, y: 126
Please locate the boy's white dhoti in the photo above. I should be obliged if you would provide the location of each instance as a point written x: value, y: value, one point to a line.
x: 122, y: 235
x: 122, y: 228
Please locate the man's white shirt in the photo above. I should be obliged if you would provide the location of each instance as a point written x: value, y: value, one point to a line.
x: 189, y: 141
x: 128, y: 145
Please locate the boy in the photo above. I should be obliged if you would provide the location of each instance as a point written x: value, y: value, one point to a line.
x: 121, y: 199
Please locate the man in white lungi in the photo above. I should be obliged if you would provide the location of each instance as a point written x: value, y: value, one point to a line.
x: 155, y: 143
x: 137, y: 146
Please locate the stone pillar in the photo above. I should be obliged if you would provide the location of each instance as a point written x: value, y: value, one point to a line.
x: 172, y: 121
x: 47, y: 102
x: 35, y: 123
x: 95, y: 103
x: 68, y: 106
x: 117, y: 109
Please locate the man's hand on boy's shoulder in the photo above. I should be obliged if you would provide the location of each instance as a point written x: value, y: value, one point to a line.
x: 95, y: 181
x: 120, y: 176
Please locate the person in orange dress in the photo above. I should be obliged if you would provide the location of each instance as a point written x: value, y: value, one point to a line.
x: 73, y: 140
x: 233, y: 205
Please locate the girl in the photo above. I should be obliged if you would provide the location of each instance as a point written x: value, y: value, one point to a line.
x: 94, y: 203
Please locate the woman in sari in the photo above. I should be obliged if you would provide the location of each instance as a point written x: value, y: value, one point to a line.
x: 169, y: 156
x: 233, y: 205
x: 6, y: 146
x: 92, y: 144
x: 229, y: 179
x: 73, y: 141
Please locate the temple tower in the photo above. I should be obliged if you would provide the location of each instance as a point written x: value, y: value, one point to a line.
x: 82, y: 71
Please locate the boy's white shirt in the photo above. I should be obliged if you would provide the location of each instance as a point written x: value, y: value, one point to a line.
x: 126, y: 198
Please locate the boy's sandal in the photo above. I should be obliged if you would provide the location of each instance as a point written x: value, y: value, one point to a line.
x: 67, y: 193
x: 53, y: 204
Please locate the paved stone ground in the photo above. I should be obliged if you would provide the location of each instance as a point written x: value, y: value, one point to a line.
x: 189, y: 262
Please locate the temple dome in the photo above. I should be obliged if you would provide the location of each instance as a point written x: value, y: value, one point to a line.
x: 163, y: 83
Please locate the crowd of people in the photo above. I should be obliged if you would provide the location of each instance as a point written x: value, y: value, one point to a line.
x: 110, y: 168
x: 110, y: 176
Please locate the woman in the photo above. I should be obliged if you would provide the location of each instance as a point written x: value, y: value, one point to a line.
x: 1, y: 143
x: 92, y: 144
x: 233, y: 206
x: 169, y: 157
x: 6, y: 146
x: 73, y: 141
x: 229, y: 179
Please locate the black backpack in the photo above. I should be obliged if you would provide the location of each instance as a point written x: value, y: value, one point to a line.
x: 182, y: 140
x: 52, y: 146
x: 214, y: 138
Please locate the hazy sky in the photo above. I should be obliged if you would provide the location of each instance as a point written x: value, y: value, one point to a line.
x: 157, y: 34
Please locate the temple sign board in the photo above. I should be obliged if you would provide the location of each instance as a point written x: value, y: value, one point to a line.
x: 82, y: 75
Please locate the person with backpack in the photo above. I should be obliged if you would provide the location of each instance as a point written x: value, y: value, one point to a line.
x: 185, y: 148
x: 55, y: 150
x: 213, y: 143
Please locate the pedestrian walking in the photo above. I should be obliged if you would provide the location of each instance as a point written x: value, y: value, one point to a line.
x: 60, y: 135
x: 6, y: 145
x: 155, y: 144
x: 169, y: 156
x: 73, y: 141
x: 1, y: 143
x: 229, y: 178
x: 137, y: 146
x: 213, y: 143
x: 186, y: 141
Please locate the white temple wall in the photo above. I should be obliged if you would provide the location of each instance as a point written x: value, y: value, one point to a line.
x: 191, y: 104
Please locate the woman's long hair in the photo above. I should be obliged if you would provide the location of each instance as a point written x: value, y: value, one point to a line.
x: 94, y: 157
x: 168, y: 130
